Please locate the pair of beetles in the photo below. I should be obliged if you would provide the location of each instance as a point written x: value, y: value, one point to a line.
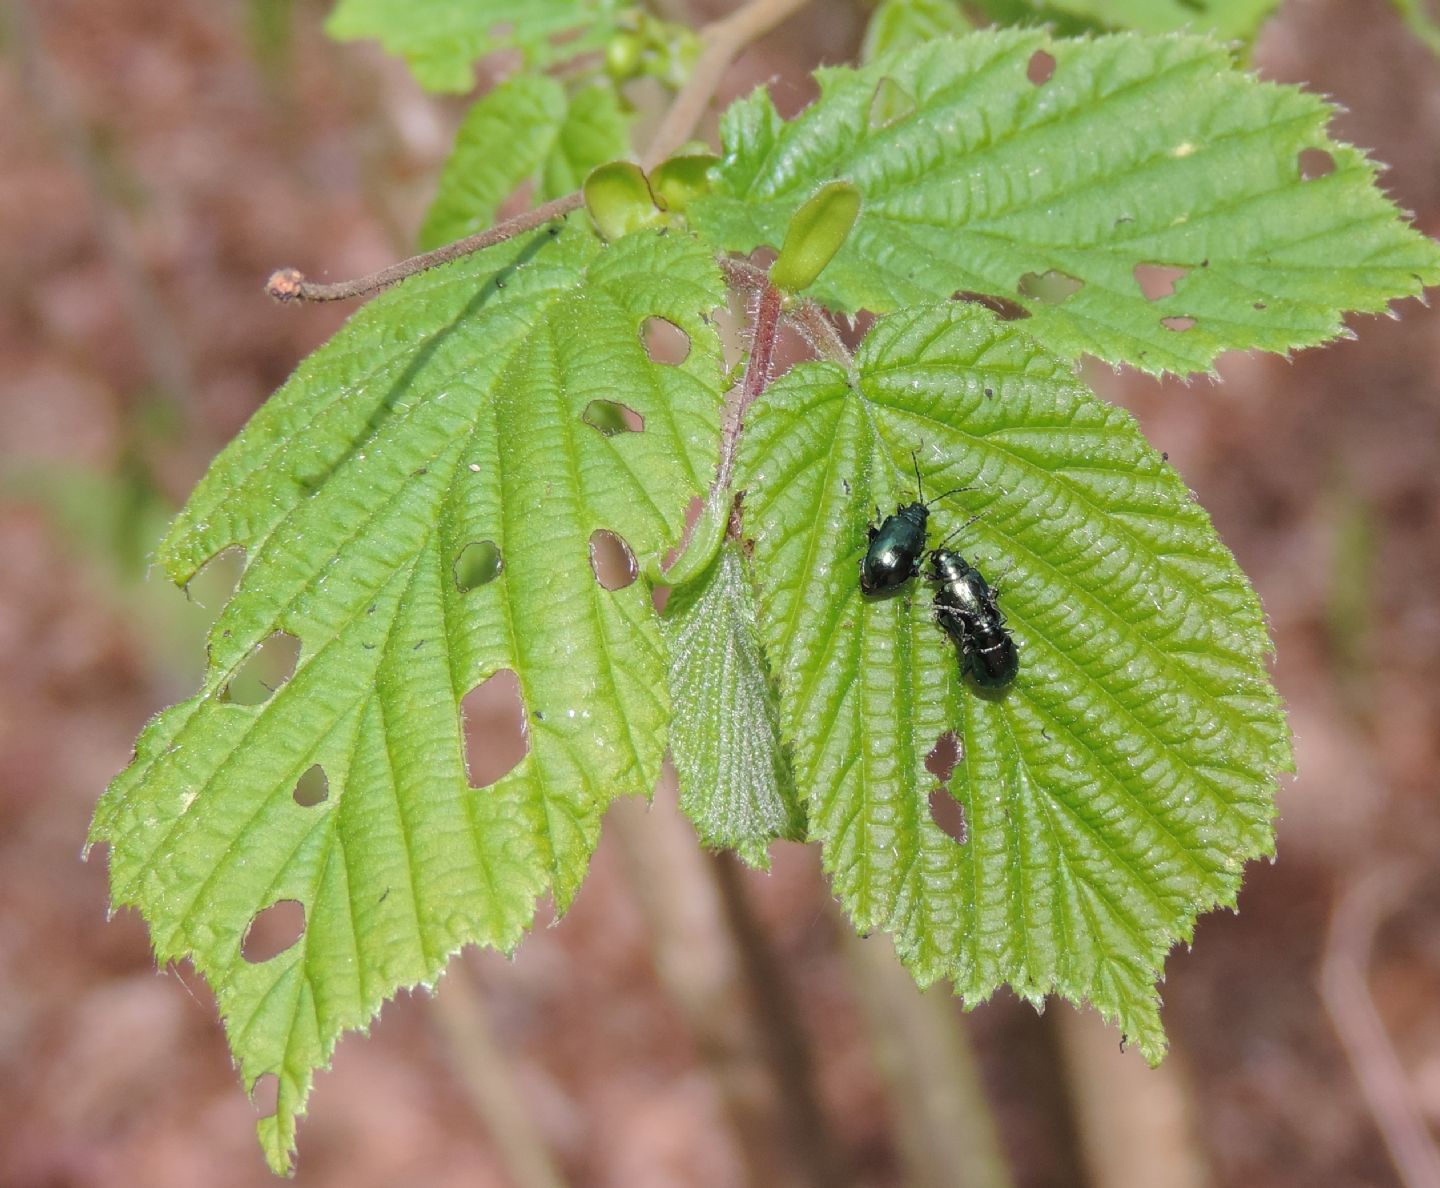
x: 965, y: 605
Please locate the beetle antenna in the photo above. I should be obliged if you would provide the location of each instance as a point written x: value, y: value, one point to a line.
x: 940, y: 547
x: 995, y: 585
x: 919, y: 484
x: 954, y: 491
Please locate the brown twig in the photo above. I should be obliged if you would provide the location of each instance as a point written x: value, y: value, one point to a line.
x: 947, y: 1133
x: 785, y: 1045
x: 289, y: 284
x: 465, y: 1028
x: 721, y: 41
x: 1345, y: 989
x: 699, y: 969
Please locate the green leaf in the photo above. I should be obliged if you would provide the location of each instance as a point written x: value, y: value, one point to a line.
x: 526, y: 129
x: 904, y: 24
x: 449, y: 412
x: 1148, y: 154
x: 1027, y: 13
x: 1226, y: 18
x: 443, y: 39
x: 735, y: 781
x: 1116, y: 789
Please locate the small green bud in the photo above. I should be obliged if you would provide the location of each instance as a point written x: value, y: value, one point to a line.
x: 619, y: 200
x: 680, y: 180
x: 624, y: 56
x: 817, y: 231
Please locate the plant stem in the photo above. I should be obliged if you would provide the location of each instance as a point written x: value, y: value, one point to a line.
x: 947, y: 1133
x: 819, y: 1154
x: 757, y: 375
x: 809, y: 318
x: 720, y: 42
x: 468, y: 1035
x: 699, y: 970
x: 289, y: 284
x: 1393, y: 1099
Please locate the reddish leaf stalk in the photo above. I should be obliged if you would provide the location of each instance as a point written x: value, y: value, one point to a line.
x: 757, y: 375
x: 289, y: 284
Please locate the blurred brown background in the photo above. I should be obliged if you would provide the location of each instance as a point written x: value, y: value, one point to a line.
x: 688, y: 1023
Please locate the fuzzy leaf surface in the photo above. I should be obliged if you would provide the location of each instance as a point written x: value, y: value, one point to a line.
x: 1225, y: 18
x: 441, y: 40
x: 1137, y: 153
x: 526, y: 129
x: 449, y: 411
x: 1115, y: 790
x: 735, y: 781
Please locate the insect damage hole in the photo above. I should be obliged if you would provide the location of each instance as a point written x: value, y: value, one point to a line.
x: 266, y: 668
x: 1041, y: 68
x: 611, y: 559
x: 1178, y: 324
x: 609, y: 417
x: 1314, y: 163
x: 265, y: 1094
x: 479, y: 562
x: 1002, y: 307
x: 273, y: 930
x: 664, y: 341
x: 1053, y: 287
x: 1158, y: 280
x: 945, y: 810
x: 943, y: 756
x: 948, y: 814
x: 212, y: 584
x: 497, y: 735
x: 312, y: 788
x: 890, y: 104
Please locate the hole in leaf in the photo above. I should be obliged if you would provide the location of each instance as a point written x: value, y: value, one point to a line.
x: 612, y: 560
x: 265, y: 1094
x: 212, y: 584
x: 1178, y: 324
x: 664, y: 341
x: 610, y: 417
x: 890, y: 103
x: 497, y: 738
x: 479, y: 562
x: 660, y: 598
x: 947, y: 813
x: 1041, y: 68
x: 1002, y: 307
x: 943, y: 756
x: 273, y: 930
x: 1052, y: 286
x: 267, y: 668
x: 1158, y: 280
x: 693, y: 510
x: 1313, y: 163
x: 312, y: 788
